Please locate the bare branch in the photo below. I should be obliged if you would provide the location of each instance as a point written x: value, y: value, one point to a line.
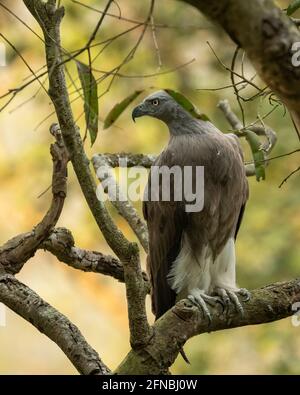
x: 26, y: 303
x: 136, y: 22
x: 234, y: 83
x: 136, y: 287
x: 131, y: 160
x: 240, y: 131
x: 49, y: 19
x: 267, y: 35
x: 183, y: 321
x: 15, y: 252
x: 119, y: 200
x: 61, y: 244
x: 232, y: 119
x: 136, y: 291
x: 290, y: 175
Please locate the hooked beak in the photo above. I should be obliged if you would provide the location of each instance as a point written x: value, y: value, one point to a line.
x: 138, y: 111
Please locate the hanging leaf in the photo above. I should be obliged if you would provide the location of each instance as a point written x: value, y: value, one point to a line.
x: 257, y: 153
x: 118, y: 108
x: 90, y: 95
x: 187, y: 105
x: 293, y: 7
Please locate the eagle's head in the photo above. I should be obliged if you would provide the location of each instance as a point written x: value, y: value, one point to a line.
x: 159, y: 105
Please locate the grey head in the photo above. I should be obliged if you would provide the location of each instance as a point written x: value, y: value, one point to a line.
x: 162, y: 106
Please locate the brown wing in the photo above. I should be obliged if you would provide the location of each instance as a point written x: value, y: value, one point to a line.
x: 166, y: 222
x: 245, y: 190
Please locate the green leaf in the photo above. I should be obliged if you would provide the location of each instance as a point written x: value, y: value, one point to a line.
x: 187, y: 105
x: 90, y: 95
x: 293, y: 7
x: 118, y: 108
x: 257, y: 153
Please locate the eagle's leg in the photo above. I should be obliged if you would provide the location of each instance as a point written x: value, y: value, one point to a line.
x: 201, y: 300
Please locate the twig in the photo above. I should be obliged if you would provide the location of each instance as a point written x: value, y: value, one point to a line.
x: 240, y: 131
x: 232, y: 71
x: 99, y: 23
x: 157, y: 25
x: 155, y: 42
x: 286, y: 178
x: 234, y: 83
x: 24, y: 60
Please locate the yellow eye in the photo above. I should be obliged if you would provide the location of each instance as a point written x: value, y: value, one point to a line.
x: 155, y: 102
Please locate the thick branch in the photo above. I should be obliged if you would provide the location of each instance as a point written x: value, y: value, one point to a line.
x: 49, y: 18
x: 15, y: 252
x: 136, y: 291
x: 119, y: 199
x: 61, y: 244
x: 25, y: 302
x: 183, y: 321
x: 267, y: 35
x: 127, y: 159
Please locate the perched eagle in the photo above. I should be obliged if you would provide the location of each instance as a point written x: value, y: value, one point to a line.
x: 192, y: 253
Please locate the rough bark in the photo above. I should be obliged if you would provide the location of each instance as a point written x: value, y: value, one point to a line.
x: 61, y: 244
x: 25, y: 302
x: 184, y: 321
x: 118, y: 199
x: 267, y: 35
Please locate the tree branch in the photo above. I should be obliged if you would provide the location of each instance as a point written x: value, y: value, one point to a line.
x: 131, y: 160
x: 49, y: 18
x: 184, y: 320
x: 26, y: 303
x: 16, y: 251
x: 240, y: 131
x: 61, y: 244
x: 267, y: 35
x: 118, y: 199
x: 136, y: 291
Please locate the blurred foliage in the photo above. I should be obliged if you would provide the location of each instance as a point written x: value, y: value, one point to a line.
x: 268, y: 246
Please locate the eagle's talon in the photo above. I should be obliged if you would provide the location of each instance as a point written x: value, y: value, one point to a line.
x: 237, y: 304
x: 245, y: 294
x: 198, y: 301
x: 230, y: 298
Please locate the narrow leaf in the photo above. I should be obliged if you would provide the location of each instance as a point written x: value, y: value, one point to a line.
x: 118, y: 108
x: 187, y: 105
x: 293, y: 7
x: 90, y: 95
x: 257, y: 153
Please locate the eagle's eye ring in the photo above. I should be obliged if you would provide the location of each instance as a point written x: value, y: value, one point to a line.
x: 155, y: 102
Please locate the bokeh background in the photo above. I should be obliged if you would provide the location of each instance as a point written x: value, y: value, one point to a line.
x: 268, y: 246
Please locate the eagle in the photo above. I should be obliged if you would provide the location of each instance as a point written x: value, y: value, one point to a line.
x: 192, y: 252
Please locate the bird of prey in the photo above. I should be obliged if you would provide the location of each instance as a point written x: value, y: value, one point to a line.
x: 192, y: 254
